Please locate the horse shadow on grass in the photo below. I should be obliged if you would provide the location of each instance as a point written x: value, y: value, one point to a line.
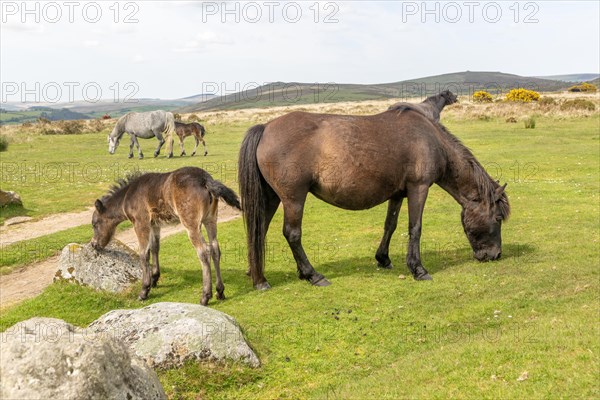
x: 434, y: 260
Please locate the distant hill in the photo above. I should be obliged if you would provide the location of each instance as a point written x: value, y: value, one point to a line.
x: 595, y: 82
x: 461, y: 83
x: 571, y: 77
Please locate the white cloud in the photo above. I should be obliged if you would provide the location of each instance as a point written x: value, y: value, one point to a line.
x: 91, y: 43
x: 202, y: 41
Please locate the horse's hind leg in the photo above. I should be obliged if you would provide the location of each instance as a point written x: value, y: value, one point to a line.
x: 181, y: 145
x: 203, y: 144
x: 215, y: 252
x: 161, y: 141
x: 292, y: 230
x: 196, y: 146
x: 195, y: 235
x: 154, y: 250
x: 391, y: 221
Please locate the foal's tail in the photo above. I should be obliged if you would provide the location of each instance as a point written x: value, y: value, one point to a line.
x: 220, y: 191
x: 252, y: 192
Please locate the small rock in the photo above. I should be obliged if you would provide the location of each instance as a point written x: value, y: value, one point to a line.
x: 113, y: 269
x: 10, y: 198
x: 402, y: 276
x: 524, y: 376
x: 16, y: 220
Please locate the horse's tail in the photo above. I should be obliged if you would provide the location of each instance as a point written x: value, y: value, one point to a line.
x: 252, y: 192
x: 202, y: 130
x: 220, y: 191
x: 170, y: 131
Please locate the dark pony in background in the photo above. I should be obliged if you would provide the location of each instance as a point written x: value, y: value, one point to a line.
x: 432, y: 106
x: 189, y: 195
x: 184, y: 130
x: 355, y: 163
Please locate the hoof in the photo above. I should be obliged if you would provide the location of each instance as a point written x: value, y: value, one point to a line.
x: 142, y: 297
x: 182, y: 154
x: 156, y: 155
x: 130, y: 156
x: 220, y: 296
x: 170, y: 156
x: 204, y: 301
x: 193, y: 154
x: 262, y: 286
x: 205, y: 153
x: 424, y: 277
x: 387, y: 266
x: 141, y: 157
x: 322, y: 282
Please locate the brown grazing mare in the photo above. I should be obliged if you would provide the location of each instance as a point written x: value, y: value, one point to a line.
x: 432, y: 106
x: 355, y: 163
x: 184, y: 130
x: 189, y: 195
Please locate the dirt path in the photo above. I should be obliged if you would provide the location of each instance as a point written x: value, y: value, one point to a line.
x: 45, y: 226
x: 31, y: 280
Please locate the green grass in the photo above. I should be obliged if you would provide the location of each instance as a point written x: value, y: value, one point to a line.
x: 470, y: 333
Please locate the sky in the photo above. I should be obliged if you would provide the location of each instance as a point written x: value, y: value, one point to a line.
x: 107, y: 49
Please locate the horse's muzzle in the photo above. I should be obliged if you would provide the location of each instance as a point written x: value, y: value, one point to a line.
x: 487, y: 255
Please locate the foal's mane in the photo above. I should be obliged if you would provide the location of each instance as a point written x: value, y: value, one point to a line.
x: 486, y: 186
x: 119, y: 188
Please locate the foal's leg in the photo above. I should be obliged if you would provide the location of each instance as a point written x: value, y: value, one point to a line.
x: 203, y: 144
x: 417, y: 194
x: 196, y: 146
x: 195, y: 235
x: 292, y: 230
x: 142, y: 230
x: 391, y: 221
x: 215, y: 252
x: 181, y: 145
x: 154, y: 249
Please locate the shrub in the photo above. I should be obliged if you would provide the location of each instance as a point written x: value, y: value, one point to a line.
x: 74, y: 127
x: 193, y: 118
x: 546, y: 101
x: 177, y: 117
x: 482, y: 97
x: 511, y: 120
x: 96, y: 125
x: 522, y: 95
x: 583, y: 87
x: 578, y: 104
x: 3, y: 143
x: 43, y: 121
x: 530, y: 123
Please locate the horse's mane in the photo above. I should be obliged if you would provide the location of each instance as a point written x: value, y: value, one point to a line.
x: 486, y: 186
x: 121, y: 185
x: 433, y: 99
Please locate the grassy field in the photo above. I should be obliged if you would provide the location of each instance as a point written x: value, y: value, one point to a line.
x: 523, y: 327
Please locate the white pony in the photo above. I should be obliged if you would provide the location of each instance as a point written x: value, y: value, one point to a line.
x: 146, y: 125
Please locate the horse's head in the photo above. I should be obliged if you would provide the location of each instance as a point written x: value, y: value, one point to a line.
x: 113, y: 143
x: 449, y: 97
x: 104, y: 226
x: 482, y: 223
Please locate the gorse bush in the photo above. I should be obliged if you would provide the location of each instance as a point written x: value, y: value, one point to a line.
x: 522, y: 95
x: 64, y: 128
x: 583, y: 87
x: 578, y: 104
x: 482, y: 97
x: 546, y: 101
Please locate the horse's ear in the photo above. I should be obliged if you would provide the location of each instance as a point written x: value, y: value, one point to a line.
x: 499, y: 191
x: 100, y: 206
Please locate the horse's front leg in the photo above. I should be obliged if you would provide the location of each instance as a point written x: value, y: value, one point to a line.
x: 154, y: 250
x: 391, y: 221
x: 292, y: 230
x: 139, y: 149
x: 131, y: 146
x: 142, y: 230
x: 417, y: 194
